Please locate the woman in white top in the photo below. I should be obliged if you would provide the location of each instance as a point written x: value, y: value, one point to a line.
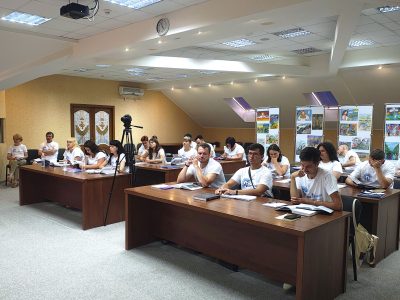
x: 95, y: 159
x: 116, y: 149
x: 73, y: 152
x: 329, y: 159
x: 156, y: 154
x: 276, y: 162
x: 187, y: 152
x: 17, y: 155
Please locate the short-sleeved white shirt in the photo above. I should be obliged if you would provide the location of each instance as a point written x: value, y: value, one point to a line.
x: 366, y: 174
x: 113, y: 159
x: 284, y: 162
x: 96, y: 158
x: 141, y: 150
x: 187, y: 154
x: 47, y: 146
x: 212, y: 167
x: 331, y: 166
x: 237, y: 150
x: 260, y: 176
x: 319, y: 188
x: 76, y: 152
x: 17, y: 151
x: 160, y: 153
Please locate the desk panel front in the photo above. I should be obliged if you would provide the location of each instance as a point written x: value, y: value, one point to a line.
x: 86, y: 192
x: 309, y: 253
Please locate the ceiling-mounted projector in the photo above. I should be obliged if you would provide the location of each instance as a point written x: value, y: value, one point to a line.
x: 74, y: 11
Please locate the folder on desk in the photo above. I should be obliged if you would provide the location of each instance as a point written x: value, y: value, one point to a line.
x: 205, y: 197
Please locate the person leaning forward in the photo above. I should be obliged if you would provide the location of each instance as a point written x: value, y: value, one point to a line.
x: 254, y: 180
x: 202, y: 169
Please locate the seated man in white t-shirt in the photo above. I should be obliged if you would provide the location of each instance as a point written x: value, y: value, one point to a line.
x: 186, y: 152
x: 376, y: 171
x: 313, y: 185
x: 232, y: 150
x: 192, y: 143
x: 48, y: 150
x: 254, y: 180
x: 348, y: 158
x: 202, y: 169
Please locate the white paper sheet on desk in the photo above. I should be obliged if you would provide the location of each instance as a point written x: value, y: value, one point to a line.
x: 274, y: 204
x: 239, y: 197
x: 283, y: 180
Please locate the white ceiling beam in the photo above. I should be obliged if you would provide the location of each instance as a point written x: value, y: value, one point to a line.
x: 346, y: 24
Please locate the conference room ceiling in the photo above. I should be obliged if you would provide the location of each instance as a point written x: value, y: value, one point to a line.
x: 122, y: 44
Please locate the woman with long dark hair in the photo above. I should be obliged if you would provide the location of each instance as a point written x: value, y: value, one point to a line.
x: 156, y: 153
x: 95, y: 158
x: 276, y: 162
x: 116, y: 149
x: 329, y: 159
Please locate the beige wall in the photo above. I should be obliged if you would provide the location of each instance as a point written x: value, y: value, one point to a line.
x: 44, y: 105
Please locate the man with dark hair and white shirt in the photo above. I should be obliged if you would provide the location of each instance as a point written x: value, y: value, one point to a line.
x: 313, y: 185
x: 48, y: 150
x: 376, y: 171
x: 254, y: 180
x: 232, y: 150
x: 200, y: 140
x: 202, y: 169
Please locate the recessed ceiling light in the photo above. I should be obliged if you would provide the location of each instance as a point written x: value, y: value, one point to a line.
x: 24, y: 18
x: 386, y: 9
x: 190, y: 86
x: 262, y: 57
x: 172, y: 88
x: 199, y: 32
x: 134, y: 3
x: 159, y: 41
x: 360, y: 43
x: 283, y: 77
x: 208, y: 72
x: 126, y: 49
x: 380, y: 68
x: 239, y: 43
x: 256, y: 80
x: 292, y: 33
x: 209, y: 84
x: 103, y: 66
x: 306, y: 50
x: 232, y: 82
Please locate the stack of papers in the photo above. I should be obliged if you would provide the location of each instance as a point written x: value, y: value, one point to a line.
x: 274, y: 204
x: 284, y: 180
x: 191, y: 186
x: 369, y: 194
x: 163, y: 186
x: 306, y: 209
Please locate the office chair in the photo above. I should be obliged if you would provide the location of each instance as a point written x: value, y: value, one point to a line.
x: 353, y: 205
x: 60, y: 155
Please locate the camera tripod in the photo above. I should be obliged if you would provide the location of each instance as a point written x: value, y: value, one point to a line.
x: 129, y: 148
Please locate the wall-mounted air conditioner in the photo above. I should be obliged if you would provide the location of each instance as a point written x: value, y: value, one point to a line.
x: 126, y: 91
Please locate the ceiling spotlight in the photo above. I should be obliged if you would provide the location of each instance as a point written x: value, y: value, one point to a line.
x: 209, y: 84
x: 283, y: 77
x: 255, y: 80
x: 199, y: 32
x: 231, y: 82
x: 159, y: 41
x: 190, y: 86
x: 126, y: 49
x: 380, y: 68
x: 172, y: 88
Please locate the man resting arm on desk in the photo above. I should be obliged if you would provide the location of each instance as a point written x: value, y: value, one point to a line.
x: 202, y: 169
x: 313, y: 185
x: 376, y: 171
x: 255, y: 180
x: 232, y: 150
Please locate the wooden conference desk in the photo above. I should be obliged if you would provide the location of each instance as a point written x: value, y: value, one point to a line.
x: 87, y: 192
x: 148, y: 174
x: 379, y: 216
x: 309, y: 253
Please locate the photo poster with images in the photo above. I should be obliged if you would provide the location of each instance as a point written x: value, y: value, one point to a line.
x: 309, y: 127
x: 267, y: 126
x: 355, y: 125
x: 392, y: 132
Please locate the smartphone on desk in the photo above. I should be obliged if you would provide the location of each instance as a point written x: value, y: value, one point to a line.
x: 292, y: 216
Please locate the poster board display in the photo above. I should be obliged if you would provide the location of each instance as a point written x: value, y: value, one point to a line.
x: 267, y: 126
x: 309, y: 127
x: 392, y: 132
x: 355, y: 126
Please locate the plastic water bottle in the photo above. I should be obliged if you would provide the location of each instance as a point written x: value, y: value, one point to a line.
x: 43, y: 162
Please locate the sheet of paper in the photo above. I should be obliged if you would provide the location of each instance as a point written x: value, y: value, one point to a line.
x: 274, y: 204
x: 284, y: 180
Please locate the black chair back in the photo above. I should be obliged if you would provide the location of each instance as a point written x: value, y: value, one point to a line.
x: 60, y: 155
x: 32, y: 154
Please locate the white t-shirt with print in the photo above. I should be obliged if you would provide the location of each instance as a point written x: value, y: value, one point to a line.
x: 47, y: 146
x: 284, y: 162
x: 187, y: 154
x: 96, y: 158
x: 366, y: 174
x: 237, y: 150
x: 18, y: 151
x: 260, y: 176
x: 331, y: 166
x: 76, y: 152
x: 319, y: 188
x: 213, y: 167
